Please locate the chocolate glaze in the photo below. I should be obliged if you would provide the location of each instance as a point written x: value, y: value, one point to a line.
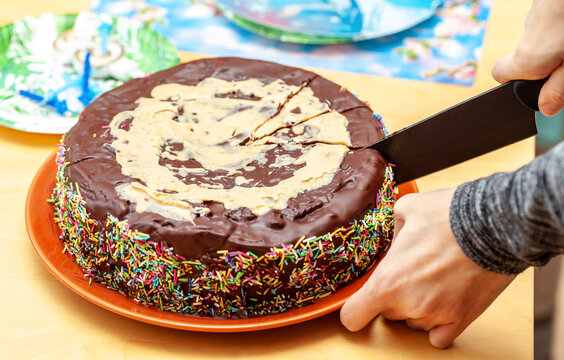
x: 351, y: 192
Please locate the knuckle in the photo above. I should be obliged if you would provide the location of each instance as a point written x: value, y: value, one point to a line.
x: 555, y: 95
x: 402, y: 204
x: 423, y: 311
x: 525, y: 59
x: 379, y: 292
x: 453, y: 315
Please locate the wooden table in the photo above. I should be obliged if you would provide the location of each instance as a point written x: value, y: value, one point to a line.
x: 41, y: 318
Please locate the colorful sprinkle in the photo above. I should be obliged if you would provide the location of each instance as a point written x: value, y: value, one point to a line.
x: 227, y: 284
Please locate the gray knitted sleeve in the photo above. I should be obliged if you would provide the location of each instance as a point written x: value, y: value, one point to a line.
x: 510, y: 221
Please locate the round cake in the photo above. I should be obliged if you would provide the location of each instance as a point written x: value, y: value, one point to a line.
x: 225, y: 187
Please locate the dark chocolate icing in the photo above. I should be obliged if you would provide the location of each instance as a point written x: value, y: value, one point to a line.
x: 349, y: 195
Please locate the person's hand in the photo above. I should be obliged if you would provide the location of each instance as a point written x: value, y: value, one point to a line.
x: 425, y: 279
x: 540, y: 53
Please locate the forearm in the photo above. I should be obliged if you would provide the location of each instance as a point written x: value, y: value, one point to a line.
x: 510, y: 221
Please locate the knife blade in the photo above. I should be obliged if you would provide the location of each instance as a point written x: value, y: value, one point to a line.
x: 486, y: 122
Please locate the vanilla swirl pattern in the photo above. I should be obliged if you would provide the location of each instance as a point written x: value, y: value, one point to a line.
x: 220, y: 130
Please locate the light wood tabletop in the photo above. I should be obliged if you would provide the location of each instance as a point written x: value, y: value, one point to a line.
x: 40, y: 318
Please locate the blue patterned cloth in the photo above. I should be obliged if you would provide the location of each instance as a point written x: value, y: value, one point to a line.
x: 444, y: 48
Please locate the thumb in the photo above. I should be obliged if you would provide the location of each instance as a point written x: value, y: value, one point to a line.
x: 551, y: 97
x: 362, y: 306
x: 442, y: 336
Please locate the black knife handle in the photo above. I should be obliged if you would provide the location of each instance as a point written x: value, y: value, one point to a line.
x: 527, y: 91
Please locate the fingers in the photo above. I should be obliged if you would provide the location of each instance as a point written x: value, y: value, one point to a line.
x: 442, y: 336
x: 539, y: 54
x: 419, y: 324
x: 512, y: 66
x: 504, y: 68
x: 361, y: 307
x: 367, y: 303
x: 551, y: 97
x: 520, y: 65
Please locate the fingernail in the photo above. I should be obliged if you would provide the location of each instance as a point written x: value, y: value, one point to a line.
x: 550, y: 109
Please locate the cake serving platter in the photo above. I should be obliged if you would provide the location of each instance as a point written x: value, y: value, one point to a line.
x: 44, y: 236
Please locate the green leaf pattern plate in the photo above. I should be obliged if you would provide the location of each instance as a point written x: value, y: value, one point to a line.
x: 29, y: 61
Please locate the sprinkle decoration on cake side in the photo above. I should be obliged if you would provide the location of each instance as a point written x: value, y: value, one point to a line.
x: 225, y: 188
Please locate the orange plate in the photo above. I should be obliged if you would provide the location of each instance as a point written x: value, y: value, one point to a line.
x: 44, y: 235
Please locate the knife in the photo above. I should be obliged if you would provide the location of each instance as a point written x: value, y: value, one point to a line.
x: 486, y: 122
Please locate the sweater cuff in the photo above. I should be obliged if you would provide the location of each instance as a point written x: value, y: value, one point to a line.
x: 475, y: 234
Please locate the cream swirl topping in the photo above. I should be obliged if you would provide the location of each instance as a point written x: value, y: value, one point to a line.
x: 225, y: 128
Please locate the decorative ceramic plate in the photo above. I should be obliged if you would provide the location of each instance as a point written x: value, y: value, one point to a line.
x: 44, y: 235
x: 44, y: 55
x: 327, y: 21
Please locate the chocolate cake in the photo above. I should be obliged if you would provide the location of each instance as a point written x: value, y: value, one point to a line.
x: 225, y: 187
